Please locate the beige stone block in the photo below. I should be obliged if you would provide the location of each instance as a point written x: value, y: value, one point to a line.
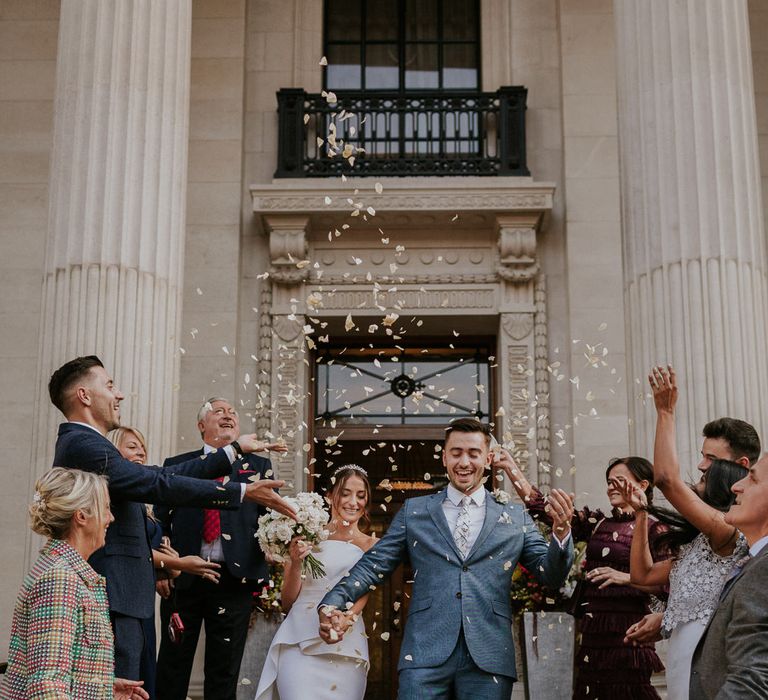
x: 546, y: 165
x: 589, y: 74
x: 590, y: 115
x: 213, y: 203
x: 758, y: 27
x: 543, y: 86
x: 255, y: 50
x: 206, y: 376
x: 592, y: 199
x: 535, y: 15
x: 591, y: 156
x: 543, y: 128
x: 211, y: 289
x: 576, y: 7
x: 216, y: 119
x: 760, y: 69
x: 262, y: 89
x: 274, y: 15
x: 206, y: 332
x: 589, y: 291
x: 31, y: 40
x: 535, y: 48
x: 602, y: 235
x: 16, y: 423
x: 587, y: 33
x: 218, y: 38
x: 216, y: 78
x: 254, y: 131
x: 206, y: 246
x: 22, y: 291
x: 309, y: 50
x: 27, y: 80
x: 19, y: 375
x: 260, y: 167
x: 29, y: 9
x: 19, y: 337
x: 26, y: 126
x: 214, y: 161
x: 26, y: 204
x: 279, y: 51
x: 24, y: 167
x: 27, y: 256
x: 218, y: 8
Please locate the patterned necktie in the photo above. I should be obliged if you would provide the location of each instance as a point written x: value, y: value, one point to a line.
x: 212, y: 523
x: 461, y: 532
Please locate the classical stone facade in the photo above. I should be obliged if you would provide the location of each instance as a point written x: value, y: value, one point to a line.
x: 138, y: 143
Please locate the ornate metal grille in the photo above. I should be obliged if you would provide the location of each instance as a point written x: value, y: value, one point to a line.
x: 402, y: 388
x: 385, y: 134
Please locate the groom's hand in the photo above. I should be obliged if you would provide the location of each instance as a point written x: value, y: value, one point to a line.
x: 331, y: 628
x: 560, y: 509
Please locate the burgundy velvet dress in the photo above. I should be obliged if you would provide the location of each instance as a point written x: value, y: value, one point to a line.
x: 606, y: 668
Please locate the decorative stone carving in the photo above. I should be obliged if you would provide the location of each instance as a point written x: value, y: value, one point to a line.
x: 409, y: 299
x: 517, y: 326
x: 285, y: 328
x: 287, y: 248
x: 263, y: 419
x: 517, y: 250
x: 541, y: 377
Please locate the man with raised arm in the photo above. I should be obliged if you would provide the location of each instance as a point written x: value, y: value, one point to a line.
x: 87, y: 396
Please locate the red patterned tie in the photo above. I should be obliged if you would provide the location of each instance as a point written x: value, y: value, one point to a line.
x: 212, y: 522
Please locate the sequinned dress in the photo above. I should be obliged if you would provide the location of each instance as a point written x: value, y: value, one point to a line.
x: 606, y: 668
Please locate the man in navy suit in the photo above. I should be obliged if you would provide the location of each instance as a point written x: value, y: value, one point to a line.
x: 86, y: 395
x: 226, y: 537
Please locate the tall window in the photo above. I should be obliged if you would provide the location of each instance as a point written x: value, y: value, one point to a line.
x: 400, y: 45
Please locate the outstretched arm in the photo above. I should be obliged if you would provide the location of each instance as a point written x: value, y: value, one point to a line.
x: 666, y: 467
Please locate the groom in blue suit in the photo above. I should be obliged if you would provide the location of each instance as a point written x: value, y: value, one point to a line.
x: 463, y: 547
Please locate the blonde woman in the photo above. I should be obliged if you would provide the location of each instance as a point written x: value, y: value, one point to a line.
x: 61, y: 639
x: 132, y: 445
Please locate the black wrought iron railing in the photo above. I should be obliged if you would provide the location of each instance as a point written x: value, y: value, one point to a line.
x: 379, y: 134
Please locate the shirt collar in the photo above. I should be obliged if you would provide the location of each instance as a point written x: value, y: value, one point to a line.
x: 757, y: 547
x: 207, y: 449
x: 455, y: 496
x: 77, y: 422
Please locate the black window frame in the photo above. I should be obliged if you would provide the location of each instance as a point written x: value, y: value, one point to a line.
x: 402, y: 43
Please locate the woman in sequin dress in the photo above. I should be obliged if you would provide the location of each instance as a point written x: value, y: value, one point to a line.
x: 606, y: 668
x: 707, y: 547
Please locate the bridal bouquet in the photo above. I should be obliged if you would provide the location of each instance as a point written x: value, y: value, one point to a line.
x: 276, y: 530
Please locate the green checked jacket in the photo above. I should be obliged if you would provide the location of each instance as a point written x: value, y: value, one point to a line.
x: 61, y: 639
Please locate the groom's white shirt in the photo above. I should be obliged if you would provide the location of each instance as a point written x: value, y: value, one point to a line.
x: 452, y: 508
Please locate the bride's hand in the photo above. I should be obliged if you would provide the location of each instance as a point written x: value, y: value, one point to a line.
x: 298, y: 550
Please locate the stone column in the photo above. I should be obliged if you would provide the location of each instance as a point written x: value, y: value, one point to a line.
x: 693, y: 238
x: 117, y: 206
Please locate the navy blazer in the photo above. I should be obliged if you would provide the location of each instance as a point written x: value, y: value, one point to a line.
x: 126, y: 558
x: 242, y: 554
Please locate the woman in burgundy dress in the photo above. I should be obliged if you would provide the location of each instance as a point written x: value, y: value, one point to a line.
x: 606, y: 668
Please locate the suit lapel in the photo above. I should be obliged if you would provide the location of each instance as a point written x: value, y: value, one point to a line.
x: 493, y: 511
x: 435, y: 508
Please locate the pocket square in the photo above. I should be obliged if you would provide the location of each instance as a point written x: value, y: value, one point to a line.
x: 504, y: 518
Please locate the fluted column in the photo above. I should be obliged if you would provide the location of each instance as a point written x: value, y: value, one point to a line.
x: 693, y: 238
x: 117, y: 204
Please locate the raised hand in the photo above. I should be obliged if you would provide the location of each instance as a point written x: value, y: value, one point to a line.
x: 502, y: 459
x: 560, y: 509
x: 263, y: 492
x: 645, y: 631
x: 633, y: 496
x: 251, y: 443
x: 664, y: 388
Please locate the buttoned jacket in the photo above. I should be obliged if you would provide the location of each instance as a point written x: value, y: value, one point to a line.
x: 61, y: 638
x: 451, y: 593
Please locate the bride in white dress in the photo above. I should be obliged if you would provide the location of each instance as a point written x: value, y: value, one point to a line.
x: 299, y: 663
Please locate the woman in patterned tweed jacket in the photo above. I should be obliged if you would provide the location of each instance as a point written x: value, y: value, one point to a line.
x: 61, y: 639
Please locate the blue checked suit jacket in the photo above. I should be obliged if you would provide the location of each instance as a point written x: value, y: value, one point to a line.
x: 451, y: 593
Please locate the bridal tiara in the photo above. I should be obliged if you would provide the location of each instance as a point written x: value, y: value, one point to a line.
x: 353, y: 467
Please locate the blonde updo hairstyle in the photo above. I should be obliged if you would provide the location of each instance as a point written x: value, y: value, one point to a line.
x: 59, y: 494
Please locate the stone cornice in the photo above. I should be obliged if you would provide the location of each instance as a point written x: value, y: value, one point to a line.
x: 512, y: 194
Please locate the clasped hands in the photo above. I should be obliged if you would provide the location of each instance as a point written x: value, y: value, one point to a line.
x: 334, y: 623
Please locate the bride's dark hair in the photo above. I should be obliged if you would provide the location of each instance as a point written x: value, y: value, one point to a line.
x: 339, y: 478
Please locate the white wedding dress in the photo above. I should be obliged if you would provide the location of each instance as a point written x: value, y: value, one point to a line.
x: 299, y: 664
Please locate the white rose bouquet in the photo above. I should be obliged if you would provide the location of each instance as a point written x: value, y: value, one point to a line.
x: 276, y: 530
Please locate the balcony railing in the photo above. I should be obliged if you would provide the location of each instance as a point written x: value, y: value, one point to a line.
x: 375, y: 134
